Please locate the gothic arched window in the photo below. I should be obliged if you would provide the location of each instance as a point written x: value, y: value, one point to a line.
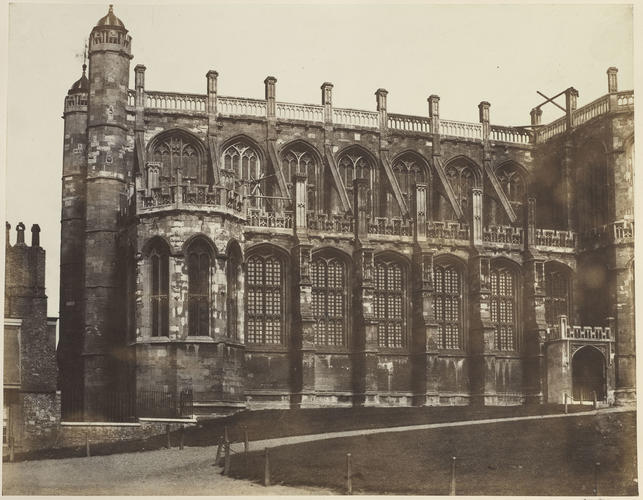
x: 557, y: 291
x: 513, y: 185
x: 355, y: 164
x: 462, y: 178
x: 178, y: 150
x: 409, y: 171
x: 300, y: 160
x: 198, y: 257
x: 503, y: 307
x: 329, y: 301
x: 242, y: 162
x: 448, y: 305
x: 159, y: 291
x: 390, y: 304
x: 265, y: 300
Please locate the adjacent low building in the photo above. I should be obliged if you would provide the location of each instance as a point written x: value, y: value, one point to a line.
x: 258, y: 253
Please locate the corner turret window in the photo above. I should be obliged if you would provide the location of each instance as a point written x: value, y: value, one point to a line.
x: 198, y: 260
x: 504, y: 308
x: 448, y: 306
x: 329, y: 301
x: 390, y: 303
x: 265, y: 301
x: 159, y: 291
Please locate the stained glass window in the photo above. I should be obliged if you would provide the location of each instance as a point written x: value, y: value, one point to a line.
x: 329, y: 301
x: 265, y: 308
x: 447, y: 306
x: 503, y: 308
x: 389, y: 305
x: 199, y: 289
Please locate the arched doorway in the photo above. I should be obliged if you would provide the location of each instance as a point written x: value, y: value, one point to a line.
x: 588, y: 374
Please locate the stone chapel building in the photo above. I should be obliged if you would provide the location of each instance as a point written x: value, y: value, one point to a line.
x: 264, y: 254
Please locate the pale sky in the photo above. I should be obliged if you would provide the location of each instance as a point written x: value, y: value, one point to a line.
x: 465, y: 54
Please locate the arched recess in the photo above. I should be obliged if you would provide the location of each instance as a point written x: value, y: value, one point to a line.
x: 302, y: 158
x: 355, y: 162
x: 172, y: 150
x: 200, y: 254
x: 267, y: 295
x: 462, y: 174
x: 410, y: 168
x: 331, y: 279
x: 505, y: 299
x: 558, y: 291
x: 588, y: 374
x: 592, y: 186
x: 234, y: 295
x: 391, y: 304
x: 156, y: 273
x: 243, y: 167
x: 450, y: 301
x: 512, y: 178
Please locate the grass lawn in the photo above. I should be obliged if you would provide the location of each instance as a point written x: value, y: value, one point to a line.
x: 534, y: 457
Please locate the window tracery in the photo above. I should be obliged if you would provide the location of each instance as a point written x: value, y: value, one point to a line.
x: 462, y: 178
x: 159, y: 291
x: 265, y: 300
x: 503, y: 308
x: 299, y: 160
x: 329, y: 301
x: 389, y: 304
x: 176, y: 151
x: 199, y: 289
x: 408, y: 171
x: 556, y: 294
x: 448, y: 306
x: 513, y: 185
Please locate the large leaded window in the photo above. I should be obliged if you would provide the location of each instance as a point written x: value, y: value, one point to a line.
x: 390, y: 303
x: 329, y: 301
x: 159, y: 292
x: 265, y: 300
x: 513, y: 185
x: 199, y: 289
x: 174, y: 151
x: 503, y: 308
x: 556, y: 294
x: 447, y: 306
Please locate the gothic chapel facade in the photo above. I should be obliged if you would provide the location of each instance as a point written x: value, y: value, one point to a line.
x: 263, y: 254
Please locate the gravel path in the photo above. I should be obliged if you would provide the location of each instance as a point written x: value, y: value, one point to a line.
x: 174, y: 472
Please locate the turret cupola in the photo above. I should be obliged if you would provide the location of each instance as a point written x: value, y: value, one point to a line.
x: 80, y: 85
x: 76, y: 99
x: 110, y: 34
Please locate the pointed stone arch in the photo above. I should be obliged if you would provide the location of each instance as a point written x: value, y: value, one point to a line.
x: 175, y: 150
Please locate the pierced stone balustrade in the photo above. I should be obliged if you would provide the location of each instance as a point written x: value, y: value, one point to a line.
x: 503, y: 234
x: 330, y: 222
x: 306, y: 112
x: 555, y: 238
x: 510, y: 134
x: 618, y: 232
x: 356, y: 118
x: 175, y: 101
x: 258, y: 218
x: 556, y: 127
x: 158, y: 197
x: 237, y: 106
x: 461, y: 129
x: 595, y: 108
x: 394, y: 226
x: 447, y: 230
x: 409, y: 123
x: 625, y: 99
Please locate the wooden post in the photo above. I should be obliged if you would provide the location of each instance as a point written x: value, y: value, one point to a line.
x: 226, y: 463
x: 452, y: 492
x: 266, y: 468
x: 565, y: 403
x: 167, y: 433
x: 87, y: 451
x: 246, y: 442
x: 596, y: 467
x: 349, y: 478
x: 225, y: 434
x: 182, y: 441
x: 218, y: 457
x: 12, y: 443
x: 595, y: 400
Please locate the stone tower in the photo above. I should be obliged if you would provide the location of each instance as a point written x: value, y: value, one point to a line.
x: 73, y: 235
x: 106, y: 184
